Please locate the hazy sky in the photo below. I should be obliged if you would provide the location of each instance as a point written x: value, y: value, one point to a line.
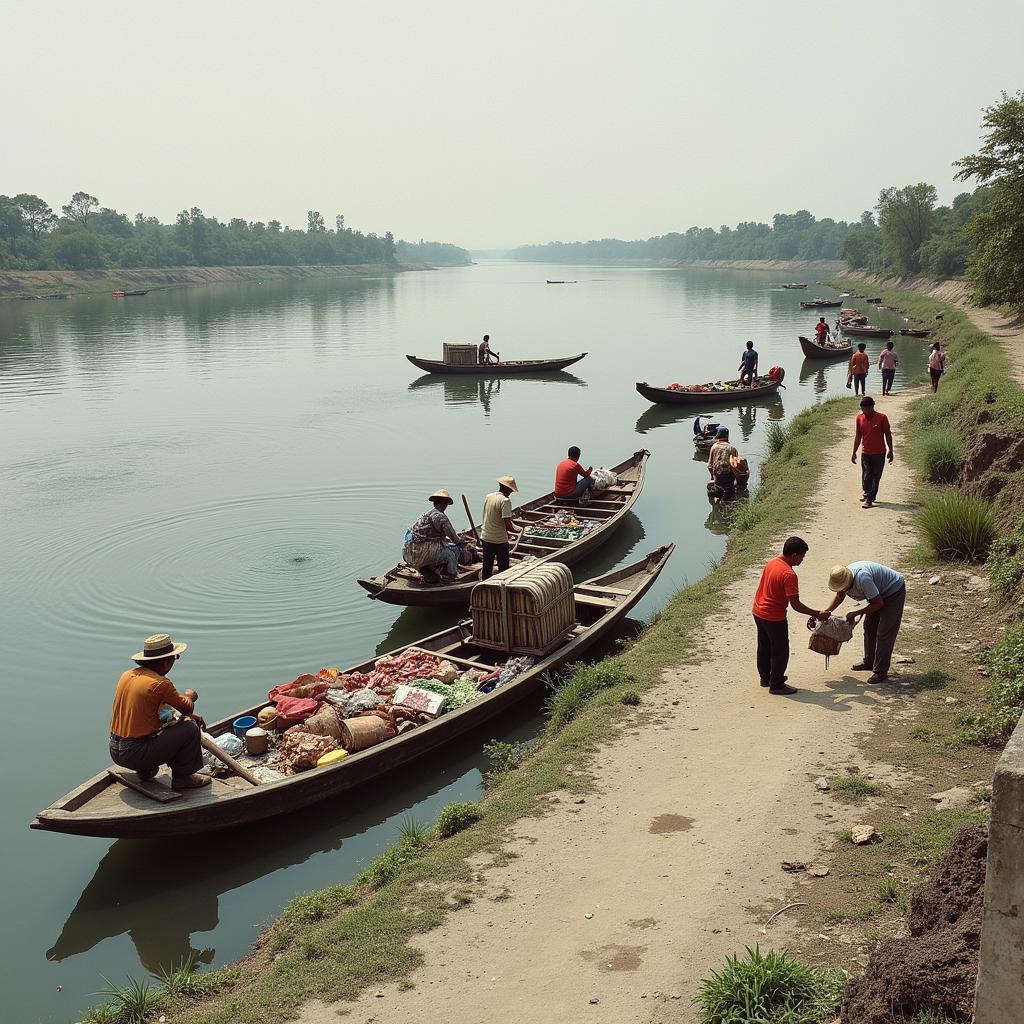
x: 491, y: 124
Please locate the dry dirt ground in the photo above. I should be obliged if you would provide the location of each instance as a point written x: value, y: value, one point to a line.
x: 613, y: 909
x: 1007, y: 330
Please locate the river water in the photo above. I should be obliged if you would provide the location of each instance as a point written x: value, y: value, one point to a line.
x: 223, y: 462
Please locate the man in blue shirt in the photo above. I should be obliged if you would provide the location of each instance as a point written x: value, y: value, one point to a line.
x: 748, y: 365
x: 885, y: 591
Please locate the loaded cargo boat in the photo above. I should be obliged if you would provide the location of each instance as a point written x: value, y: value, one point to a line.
x: 117, y: 803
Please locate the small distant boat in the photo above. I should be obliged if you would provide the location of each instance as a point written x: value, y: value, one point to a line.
x: 794, y: 285
x: 505, y: 368
x: 866, y: 331
x: 136, y: 292
x: 874, y: 300
x: 911, y: 332
x: 563, y: 282
x: 40, y: 298
x: 734, y: 392
x: 813, y: 350
x: 821, y: 304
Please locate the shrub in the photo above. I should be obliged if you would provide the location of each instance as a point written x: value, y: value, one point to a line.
x: 390, y: 863
x: 940, y: 453
x: 456, y: 817
x: 774, y: 438
x: 504, y: 758
x: 1005, y: 695
x: 573, y: 690
x: 959, y: 527
x: 1005, y: 565
x: 769, y: 987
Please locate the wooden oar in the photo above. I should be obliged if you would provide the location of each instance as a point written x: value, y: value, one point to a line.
x: 469, y: 516
x: 222, y: 755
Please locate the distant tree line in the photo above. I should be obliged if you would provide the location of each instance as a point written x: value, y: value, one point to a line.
x: 87, y: 236
x: 439, y: 253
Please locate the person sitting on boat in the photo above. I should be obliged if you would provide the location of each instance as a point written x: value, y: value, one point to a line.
x: 485, y: 353
x: 822, y: 334
x: 431, y: 543
x: 142, y: 735
x: 720, y: 466
x: 567, y: 486
x: 748, y: 365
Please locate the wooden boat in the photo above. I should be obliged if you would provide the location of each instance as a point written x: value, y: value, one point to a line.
x: 404, y: 585
x: 794, y: 285
x: 136, y: 292
x: 912, y: 332
x: 866, y: 331
x: 105, y: 806
x: 812, y: 350
x: 737, y: 393
x: 506, y: 367
x: 821, y: 304
x: 562, y: 282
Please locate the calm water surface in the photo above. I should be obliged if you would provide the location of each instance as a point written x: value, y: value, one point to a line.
x: 223, y: 463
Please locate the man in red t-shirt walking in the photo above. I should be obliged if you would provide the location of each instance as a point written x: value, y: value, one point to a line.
x: 872, y: 436
x: 567, y: 471
x: 778, y: 591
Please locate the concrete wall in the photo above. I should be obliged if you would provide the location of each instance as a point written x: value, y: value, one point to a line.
x: 1000, y: 993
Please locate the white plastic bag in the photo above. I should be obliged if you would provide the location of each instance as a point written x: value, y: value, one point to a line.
x: 229, y: 743
x: 603, y: 478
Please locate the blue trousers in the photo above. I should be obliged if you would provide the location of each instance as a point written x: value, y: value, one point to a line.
x: 450, y: 558
x: 585, y: 484
x: 871, y: 467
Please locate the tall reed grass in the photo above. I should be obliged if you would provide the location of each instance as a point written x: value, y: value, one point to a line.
x: 940, y: 454
x: 958, y: 527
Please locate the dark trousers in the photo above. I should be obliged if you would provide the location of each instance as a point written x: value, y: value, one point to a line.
x: 772, y: 650
x: 888, y: 376
x: 880, y: 631
x: 871, y: 467
x: 492, y: 552
x: 176, y: 745
x: 860, y: 383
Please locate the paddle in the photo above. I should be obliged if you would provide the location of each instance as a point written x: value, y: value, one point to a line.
x: 469, y: 516
x: 222, y: 755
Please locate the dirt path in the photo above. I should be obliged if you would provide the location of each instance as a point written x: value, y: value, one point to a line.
x: 632, y: 896
x: 1007, y: 330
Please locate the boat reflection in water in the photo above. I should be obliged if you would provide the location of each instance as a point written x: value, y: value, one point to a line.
x: 466, y: 390
x: 744, y: 416
x: 813, y: 372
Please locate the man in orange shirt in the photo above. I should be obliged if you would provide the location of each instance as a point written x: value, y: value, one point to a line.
x: 139, y: 739
x: 566, y: 472
x: 778, y: 591
x: 859, y: 365
x: 872, y: 435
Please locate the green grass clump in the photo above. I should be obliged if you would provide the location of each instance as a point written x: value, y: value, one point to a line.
x: 457, y: 817
x: 774, y: 438
x: 958, y: 527
x: 133, y: 1002
x: 630, y: 698
x: 1005, y: 563
x: 412, y: 831
x: 889, y: 891
x: 572, y: 691
x: 769, y: 987
x: 940, y: 454
x: 1004, y: 698
x: 928, y: 836
x: 389, y: 864
x: 856, y: 787
x: 504, y: 758
x: 181, y: 980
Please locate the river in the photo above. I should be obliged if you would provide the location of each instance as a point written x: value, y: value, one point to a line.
x: 223, y: 462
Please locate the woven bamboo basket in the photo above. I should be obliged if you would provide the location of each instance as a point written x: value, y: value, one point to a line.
x: 460, y: 353
x: 527, y: 610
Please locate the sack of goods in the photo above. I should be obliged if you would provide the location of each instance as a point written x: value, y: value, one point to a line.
x: 603, y: 478
x: 829, y: 636
x: 526, y: 610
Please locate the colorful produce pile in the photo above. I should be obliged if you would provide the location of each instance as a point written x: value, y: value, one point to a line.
x: 390, y: 672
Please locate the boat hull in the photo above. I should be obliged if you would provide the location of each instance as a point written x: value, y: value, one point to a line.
x: 867, y: 332
x: 510, y: 368
x: 815, y: 351
x: 664, y: 396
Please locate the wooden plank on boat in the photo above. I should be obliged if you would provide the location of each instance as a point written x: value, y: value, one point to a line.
x: 147, y: 787
x: 595, y: 602
x: 602, y: 590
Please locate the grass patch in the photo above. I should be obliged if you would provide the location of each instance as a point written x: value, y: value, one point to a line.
x: 1004, y: 697
x: 630, y: 698
x: 927, y: 837
x: 457, y: 818
x: 958, y: 527
x: 940, y: 454
x: 769, y: 987
x: 855, y: 787
x: 572, y: 690
x: 889, y: 891
x: 132, y: 1003
x: 503, y: 758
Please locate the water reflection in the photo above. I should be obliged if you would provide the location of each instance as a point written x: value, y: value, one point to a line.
x: 812, y: 371
x: 469, y: 389
x: 742, y: 415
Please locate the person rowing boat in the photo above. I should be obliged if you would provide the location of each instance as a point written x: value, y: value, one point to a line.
x: 484, y: 352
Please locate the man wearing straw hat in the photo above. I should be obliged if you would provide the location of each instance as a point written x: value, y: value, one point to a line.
x: 885, y: 591
x: 138, y: 738
x: 497, y: 527
x: 432, y: 543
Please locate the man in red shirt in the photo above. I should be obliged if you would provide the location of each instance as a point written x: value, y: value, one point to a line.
x: 872, y: 436
x: 778, y: 591
x: 821, y: 331
x: 566, y: 485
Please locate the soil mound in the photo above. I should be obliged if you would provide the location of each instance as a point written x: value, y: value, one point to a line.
x: 937, y: 967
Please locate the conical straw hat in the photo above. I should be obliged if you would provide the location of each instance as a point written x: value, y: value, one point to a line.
x: 509, y: 482
x: 441, y: 495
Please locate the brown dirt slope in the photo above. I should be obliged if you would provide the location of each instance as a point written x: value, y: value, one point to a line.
x: 634, y: 895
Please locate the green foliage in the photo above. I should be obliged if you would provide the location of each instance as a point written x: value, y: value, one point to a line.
x: 771, y: 988
x: 132, y: 1003
x: 906, y: 216
x: 1004, y: 698
x: 390, y: 863
x: 442, y: 254
x: 856, y: 787
x: 630, y: 698
x: 958, y: 527
x: 310, y: 907
x: 456, y: 818
x: 504, y: 758
x: 572, y: 690
x: 181, y: 980
x: 940, y: 454
x: 889, y: 891
x: 412, y: 831
x: 1005, y: 564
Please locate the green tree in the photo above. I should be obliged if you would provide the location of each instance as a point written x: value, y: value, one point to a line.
x: 78, y: 209
x: 315, y: 222
x: 11, y: 223
x: 35, y: 214
x: 77, y: 250
x: 905, y: 216
x: 996, y: 267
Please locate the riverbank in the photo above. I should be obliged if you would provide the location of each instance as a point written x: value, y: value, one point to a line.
x: 17, y: 283
x: 822, y: 267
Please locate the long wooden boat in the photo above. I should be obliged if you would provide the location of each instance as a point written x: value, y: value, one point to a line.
x: 821, y: 304
x: 913, y: 332
x: 669, y: 396
x: 403, y: 585
x: 812, y: 350
x: 135, y: 293
x: 866, y: 331
x: 562, y: 282
x: 794, y: 285
x: 104, y: 806
x: 505, y: 368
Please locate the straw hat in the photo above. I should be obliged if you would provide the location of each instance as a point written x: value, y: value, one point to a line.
x: 509, y: 482
x: 157, y: 646
x: 839, y: 578
x: 441, y: 495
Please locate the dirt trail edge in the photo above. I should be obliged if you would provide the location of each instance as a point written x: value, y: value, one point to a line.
x: 632, y: 896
